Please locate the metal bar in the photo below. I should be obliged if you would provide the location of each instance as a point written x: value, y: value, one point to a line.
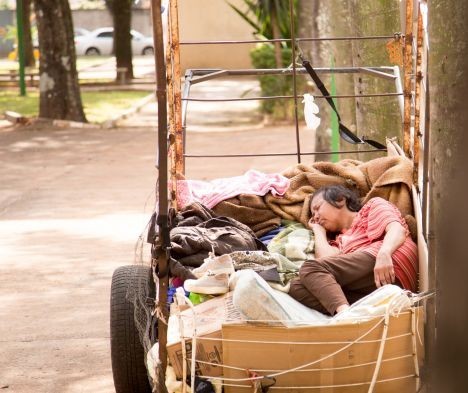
x: 179, y: 134
x: 383, y: 75
x: 163, y: 281
x: 171, y: 104
x: 408, y: 70
x: 399, y: 89
x: 316, y: 153
x: 286, y: 71
x: 185, y: 94
x: 228, y: 42
x: 294, y: 73
x: 289, y: 97
x: 417, y: 106
x: 426, y: 169
x: 213, y: 75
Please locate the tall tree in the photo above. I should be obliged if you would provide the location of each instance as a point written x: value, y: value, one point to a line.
x: 121, y: 11
x: 29, y: 60
x: 59, y: 89
x: 448, y: 84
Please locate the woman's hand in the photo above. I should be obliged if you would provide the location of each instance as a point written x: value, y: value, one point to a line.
x: 322, y: 248
x: 318, y: 230
x: 383, y: 269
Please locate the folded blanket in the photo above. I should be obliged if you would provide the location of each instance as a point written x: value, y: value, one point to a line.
x: 210, y: 193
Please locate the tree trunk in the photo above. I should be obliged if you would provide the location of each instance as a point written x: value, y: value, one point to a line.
x: 276, y: 35
x: 376, y: 117
x: 121, y: 11
x: 448, y: 83
x: 29, y: 60
x: 59, y: 89
x: 308, y: 12
x: 334, y: 21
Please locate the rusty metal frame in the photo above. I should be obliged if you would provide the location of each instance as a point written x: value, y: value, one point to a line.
x: 409, y: 95
x: 407, y: 69
x: 410, y: 91
x: 416, y: 115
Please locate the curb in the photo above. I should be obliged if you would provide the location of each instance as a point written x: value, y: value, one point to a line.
x: 112, y: 122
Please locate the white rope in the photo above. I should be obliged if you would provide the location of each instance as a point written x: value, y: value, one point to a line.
x: 182, y: 342
x: 307, y: 364
x: 377, y: 340
x: 260, y: 370
x: 282, y: 322
x: 180, y: 299
x: 381, y: 349
x: 327, y: 386
x: 415, y: 348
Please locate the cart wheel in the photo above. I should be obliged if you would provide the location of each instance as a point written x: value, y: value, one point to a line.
x: 127, y: 352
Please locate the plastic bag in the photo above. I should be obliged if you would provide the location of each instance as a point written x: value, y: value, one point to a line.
x: 310, y: 112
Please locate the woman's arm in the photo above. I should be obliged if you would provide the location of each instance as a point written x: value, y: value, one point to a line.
x: 395, y: 236
x: 322, y: 248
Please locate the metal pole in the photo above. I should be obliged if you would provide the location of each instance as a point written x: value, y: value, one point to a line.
x: 293, y: 47
x: 335, y: 139
x: 163, y: 240
x: 20, y: 46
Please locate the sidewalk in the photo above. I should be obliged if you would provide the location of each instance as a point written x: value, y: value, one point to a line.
x: 208, y: 116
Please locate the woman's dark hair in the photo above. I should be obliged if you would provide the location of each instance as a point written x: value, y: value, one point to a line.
x: 335, y: 194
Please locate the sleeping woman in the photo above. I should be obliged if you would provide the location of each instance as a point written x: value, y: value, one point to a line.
x: 371, y: 246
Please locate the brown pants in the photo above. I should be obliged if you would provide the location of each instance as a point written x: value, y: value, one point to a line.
x: 326, y: 283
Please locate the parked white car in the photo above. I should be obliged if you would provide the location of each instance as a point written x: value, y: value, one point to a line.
x: 79, y: 31
x: 100, y: 42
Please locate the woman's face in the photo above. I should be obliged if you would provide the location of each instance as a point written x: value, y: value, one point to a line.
x: 325, y: 214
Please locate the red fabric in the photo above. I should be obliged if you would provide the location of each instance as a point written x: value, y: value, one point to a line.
x: 367, y: 232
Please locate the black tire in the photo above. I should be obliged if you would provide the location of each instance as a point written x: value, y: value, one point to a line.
x: 148, y: 51
x: 92, y: 52
x: 127, y: 352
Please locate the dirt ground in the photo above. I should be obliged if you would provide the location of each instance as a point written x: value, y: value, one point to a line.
x: 72, y: 205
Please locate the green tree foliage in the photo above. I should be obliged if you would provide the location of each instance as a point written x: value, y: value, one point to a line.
x: 270, y: 19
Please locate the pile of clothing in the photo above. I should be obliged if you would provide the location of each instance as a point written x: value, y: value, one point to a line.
x: 260, y: 220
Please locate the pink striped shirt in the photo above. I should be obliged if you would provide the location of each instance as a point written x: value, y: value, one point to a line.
x: 367, y: 233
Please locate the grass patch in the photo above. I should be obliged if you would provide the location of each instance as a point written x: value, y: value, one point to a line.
x: 101, y: 105
x: 98, y: 105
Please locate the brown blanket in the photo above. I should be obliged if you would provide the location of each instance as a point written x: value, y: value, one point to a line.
x: 250, y: 210
x: 386, y: 177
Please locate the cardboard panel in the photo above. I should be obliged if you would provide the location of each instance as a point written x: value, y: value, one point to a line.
x: 207, y: 351
x: 209, y: 317
x: 276, y: 353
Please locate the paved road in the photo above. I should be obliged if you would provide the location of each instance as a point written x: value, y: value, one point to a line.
x: 72, y: 205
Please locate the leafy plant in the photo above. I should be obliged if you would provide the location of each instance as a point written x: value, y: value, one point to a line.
x: 269, y: 18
